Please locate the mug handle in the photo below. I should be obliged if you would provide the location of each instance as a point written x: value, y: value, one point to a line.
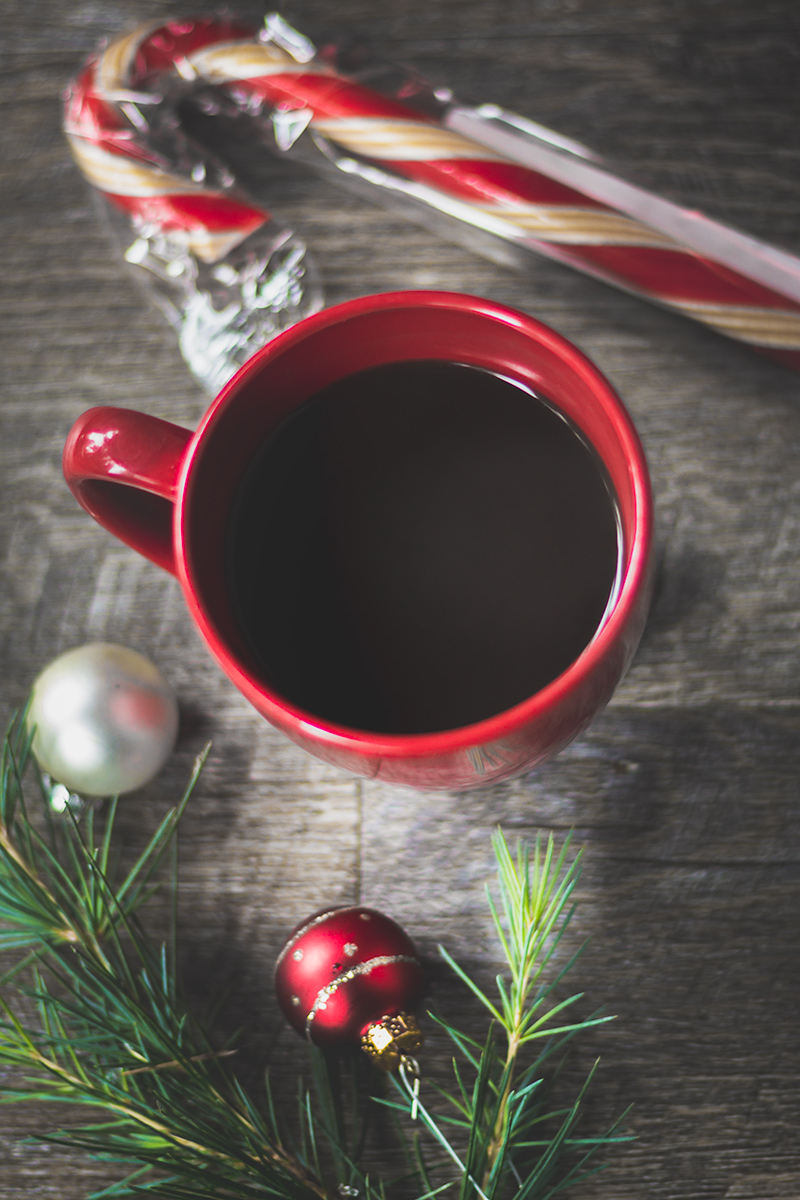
x: 122, y: 467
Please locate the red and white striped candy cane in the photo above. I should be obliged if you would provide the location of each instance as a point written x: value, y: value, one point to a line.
x: 485, y: 188
x: 513, y: 200
x: 102, y: 121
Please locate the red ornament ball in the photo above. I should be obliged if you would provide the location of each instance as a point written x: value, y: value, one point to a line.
x: 344, y: 969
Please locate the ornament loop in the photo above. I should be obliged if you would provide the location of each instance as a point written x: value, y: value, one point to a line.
x: 410, y: 1072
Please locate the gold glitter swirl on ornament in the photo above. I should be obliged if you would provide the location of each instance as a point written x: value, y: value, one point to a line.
x: 312, y: 922
x: 364, y: 968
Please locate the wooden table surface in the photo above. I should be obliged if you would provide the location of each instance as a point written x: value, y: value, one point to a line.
x: 685, y: 790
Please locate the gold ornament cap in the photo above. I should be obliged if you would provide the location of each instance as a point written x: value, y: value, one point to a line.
x: 388, y: 1041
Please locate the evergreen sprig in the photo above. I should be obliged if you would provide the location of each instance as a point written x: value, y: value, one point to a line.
x: 516, y: 1144
x: 92, y: 1015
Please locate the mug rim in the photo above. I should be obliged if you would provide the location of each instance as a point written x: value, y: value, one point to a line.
x: 490, y: 729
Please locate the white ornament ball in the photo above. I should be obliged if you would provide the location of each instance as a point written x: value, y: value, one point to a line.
x: 105, y: 720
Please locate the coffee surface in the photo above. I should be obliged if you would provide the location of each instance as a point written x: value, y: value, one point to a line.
x: 420, y: 546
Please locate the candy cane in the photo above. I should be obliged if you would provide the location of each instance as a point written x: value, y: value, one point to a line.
x: 227, y: 276
x: 509, y: 198
x: 463, y: 177
x: 114, y: 148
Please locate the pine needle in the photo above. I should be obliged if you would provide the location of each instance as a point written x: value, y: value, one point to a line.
x: 510, y: 1095
x: 92, y: 1016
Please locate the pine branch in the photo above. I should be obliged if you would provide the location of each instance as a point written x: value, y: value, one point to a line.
x: 508, y: 1099
x: 92, y: 1016
x: 111, y: 1030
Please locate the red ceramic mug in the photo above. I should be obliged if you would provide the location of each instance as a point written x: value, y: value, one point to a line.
x: 170, y: 493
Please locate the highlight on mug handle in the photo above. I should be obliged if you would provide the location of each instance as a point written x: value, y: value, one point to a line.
x: 122, y: 467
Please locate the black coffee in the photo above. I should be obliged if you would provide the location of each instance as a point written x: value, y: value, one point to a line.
x: 420, y: 546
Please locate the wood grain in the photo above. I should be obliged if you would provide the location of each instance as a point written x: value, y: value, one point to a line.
x: 685, y: 791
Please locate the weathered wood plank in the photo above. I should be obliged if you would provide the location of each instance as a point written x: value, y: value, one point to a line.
x: 684, y: 791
